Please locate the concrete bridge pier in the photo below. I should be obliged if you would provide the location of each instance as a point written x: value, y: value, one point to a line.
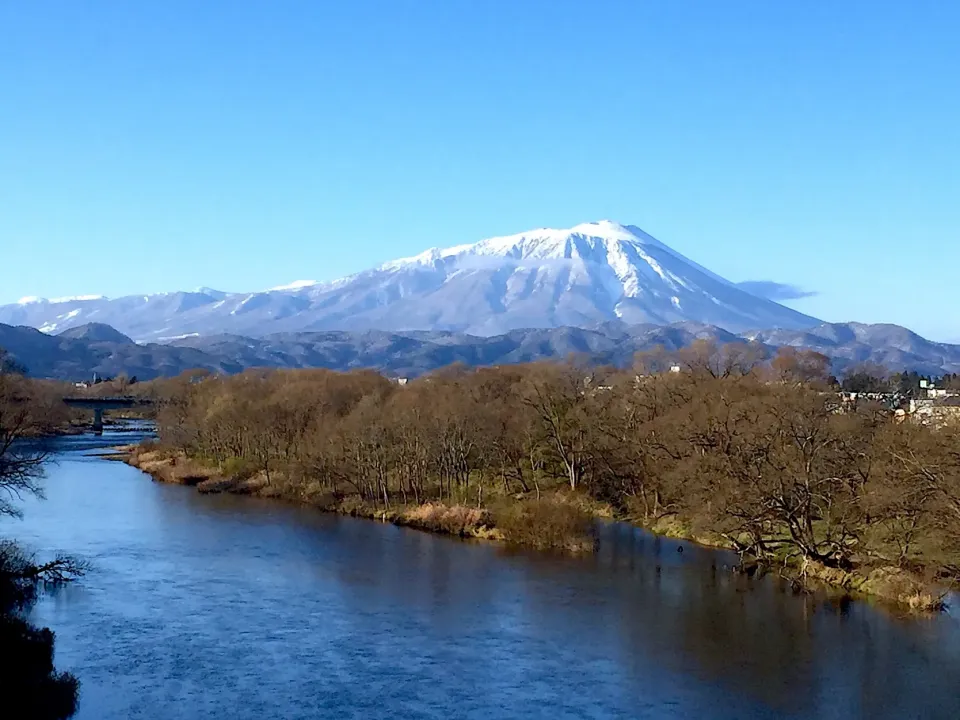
x: 98, y: 421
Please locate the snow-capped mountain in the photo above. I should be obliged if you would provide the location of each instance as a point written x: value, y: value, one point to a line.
x: 588, y: 274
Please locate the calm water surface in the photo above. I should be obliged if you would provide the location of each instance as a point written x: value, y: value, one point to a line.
x: 225, y: 607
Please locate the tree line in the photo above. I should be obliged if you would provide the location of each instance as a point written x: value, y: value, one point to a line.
x: 761, y: 453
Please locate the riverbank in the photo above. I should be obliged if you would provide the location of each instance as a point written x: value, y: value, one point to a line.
x: 223, y: 582
x: 882, y: 582
x: 554, y: 522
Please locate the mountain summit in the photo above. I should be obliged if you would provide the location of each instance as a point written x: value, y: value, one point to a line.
x: 585, y: 275
x: 590, y: 273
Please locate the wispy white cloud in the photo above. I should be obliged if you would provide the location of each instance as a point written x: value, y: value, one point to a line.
x: 776, y: 291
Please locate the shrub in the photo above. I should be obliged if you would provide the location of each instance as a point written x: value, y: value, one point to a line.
x: 547, y: 524
x: 237, y: 468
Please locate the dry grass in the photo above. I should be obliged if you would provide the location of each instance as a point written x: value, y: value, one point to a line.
x: 551, y: 523
x: 672, y: 526
x: 173, y: 468
x: 902, y: 587
x: 188, y: 472
x: 217, y: 485
x: 176, y: 468
x: 448, y: 519
x: 889, y: 584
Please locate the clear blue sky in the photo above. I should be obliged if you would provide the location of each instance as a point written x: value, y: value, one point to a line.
x: 240, y: 145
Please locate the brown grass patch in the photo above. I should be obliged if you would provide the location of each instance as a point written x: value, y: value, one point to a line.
x: 448, y: 519
x: 902, y: 587
x: 177, y: 468
x: 217, y: 485
x: 886, y: 583
x: 547, y: 524
x: 188, y: 472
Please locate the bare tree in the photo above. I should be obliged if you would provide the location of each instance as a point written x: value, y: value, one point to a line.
x: 21, y: 465
x: 559, y: 396
x: 801, y: 366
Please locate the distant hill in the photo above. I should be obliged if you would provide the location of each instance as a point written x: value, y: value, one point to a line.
x: 96, y: 333
x: 79, y: 352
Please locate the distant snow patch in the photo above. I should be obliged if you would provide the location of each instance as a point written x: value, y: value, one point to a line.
x: 295, y: 285
x: 30, y: 299
x: 243, y: 302
x: 76, y: 298
x: 655, y: 266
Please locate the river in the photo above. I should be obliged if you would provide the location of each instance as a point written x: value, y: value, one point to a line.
x: 230, y: 607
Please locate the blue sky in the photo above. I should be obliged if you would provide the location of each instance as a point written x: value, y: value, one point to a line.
x: 241, y: 145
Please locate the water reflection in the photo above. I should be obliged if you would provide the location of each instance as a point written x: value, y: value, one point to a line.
x: 205, y: 607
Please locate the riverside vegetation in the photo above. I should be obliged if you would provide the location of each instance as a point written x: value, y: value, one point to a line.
x: 30, y: 687
x: 734, y: 450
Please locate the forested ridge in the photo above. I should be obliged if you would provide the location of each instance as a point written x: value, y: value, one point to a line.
x: 762, y: 456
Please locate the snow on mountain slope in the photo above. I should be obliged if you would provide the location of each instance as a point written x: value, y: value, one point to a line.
x: 588, y: 274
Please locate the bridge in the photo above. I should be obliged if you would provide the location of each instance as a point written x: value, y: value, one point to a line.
x: 100, y: 405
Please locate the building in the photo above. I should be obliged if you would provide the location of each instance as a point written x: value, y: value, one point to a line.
x: 930, y: 390
x: 937, y: 412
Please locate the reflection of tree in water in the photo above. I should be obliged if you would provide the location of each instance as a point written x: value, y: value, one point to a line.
x: 871, y: 664
x: 700, y: 618
x: 764, y: 651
